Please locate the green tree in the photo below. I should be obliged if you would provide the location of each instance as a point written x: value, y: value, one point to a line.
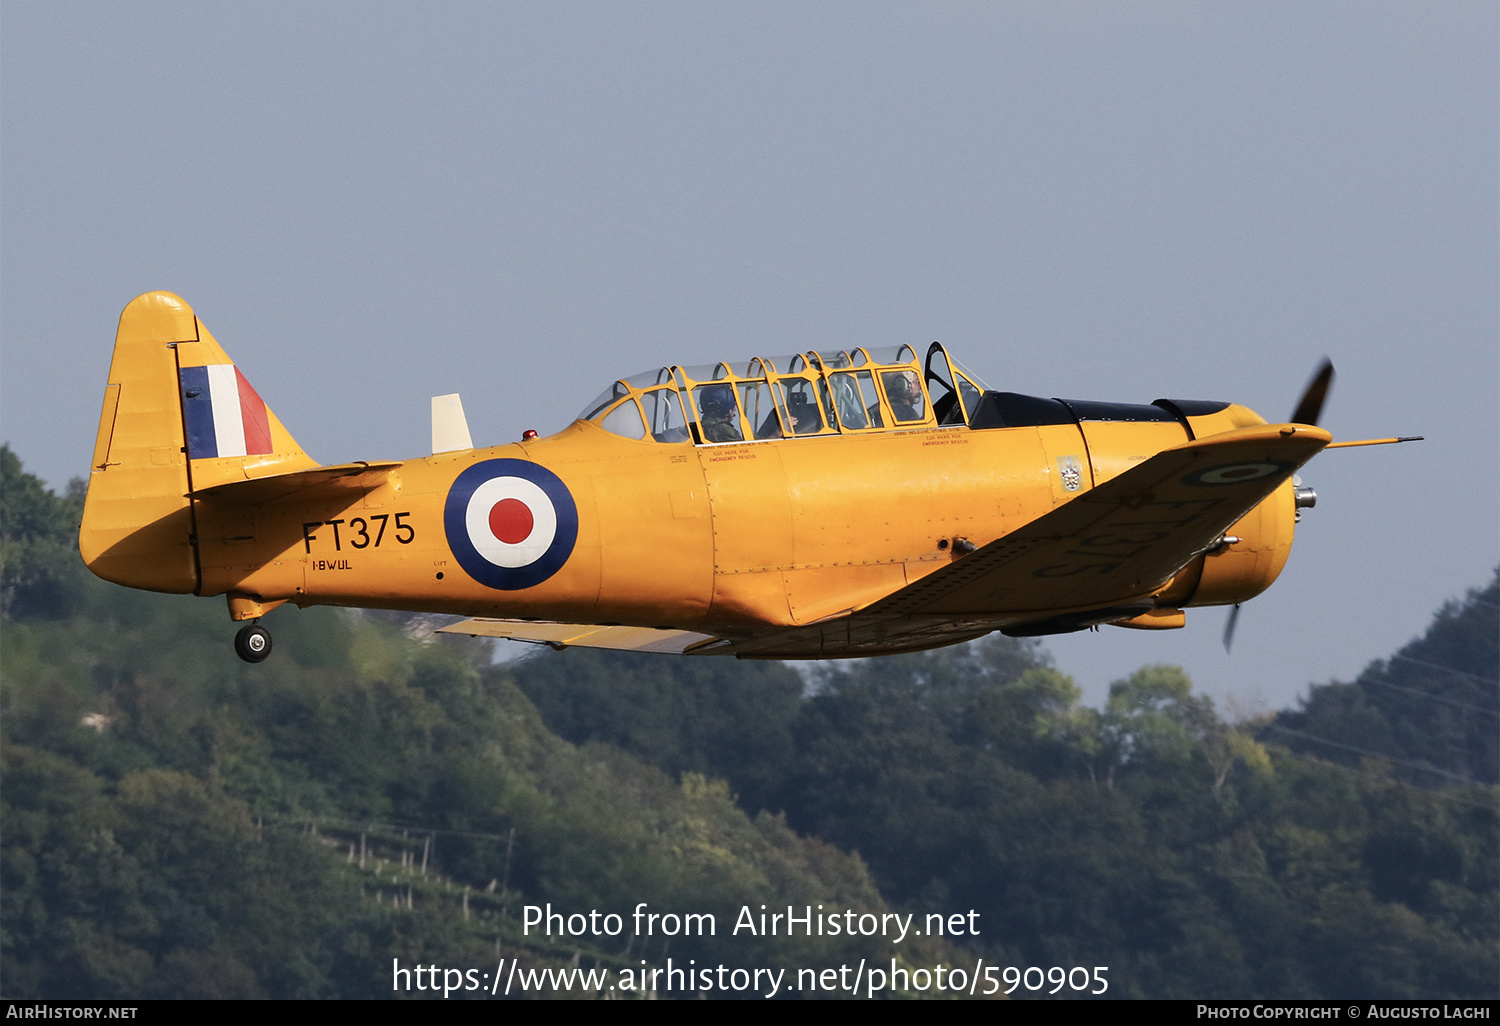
x: 40, y: 569
x: 715, y: 716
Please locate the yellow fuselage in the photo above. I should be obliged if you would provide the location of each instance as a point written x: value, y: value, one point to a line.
x: 777, y: 532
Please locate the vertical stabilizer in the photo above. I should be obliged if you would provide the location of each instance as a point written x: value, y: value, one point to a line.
x: 178, y: 417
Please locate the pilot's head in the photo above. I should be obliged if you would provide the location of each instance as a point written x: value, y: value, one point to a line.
x: 903, y: 387
x: 716, y: 401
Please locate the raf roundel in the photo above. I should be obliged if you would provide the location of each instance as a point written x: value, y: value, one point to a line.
x: 1237, y: 473
x: 510, y: 523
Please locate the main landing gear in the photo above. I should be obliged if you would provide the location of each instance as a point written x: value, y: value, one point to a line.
x: 252, y: 643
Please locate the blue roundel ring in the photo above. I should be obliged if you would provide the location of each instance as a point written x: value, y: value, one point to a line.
x: 511, y: 524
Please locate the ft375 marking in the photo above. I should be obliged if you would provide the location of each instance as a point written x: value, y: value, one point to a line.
x: 358, y: 531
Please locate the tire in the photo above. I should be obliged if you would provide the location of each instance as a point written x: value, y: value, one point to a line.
x: 252, y: 643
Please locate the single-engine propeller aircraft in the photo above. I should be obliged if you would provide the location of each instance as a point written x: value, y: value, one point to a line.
x: 827, y: 504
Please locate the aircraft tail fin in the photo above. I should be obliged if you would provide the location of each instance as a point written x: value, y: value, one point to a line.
x: 178, y: 417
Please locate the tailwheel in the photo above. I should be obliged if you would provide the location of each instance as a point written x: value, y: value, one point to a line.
x: 252, y: 643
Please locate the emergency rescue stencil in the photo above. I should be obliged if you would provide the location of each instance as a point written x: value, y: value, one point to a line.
x: 510, y: 523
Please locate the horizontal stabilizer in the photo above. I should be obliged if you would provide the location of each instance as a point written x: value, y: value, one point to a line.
x: 565, y: 635
x: 343, y: 479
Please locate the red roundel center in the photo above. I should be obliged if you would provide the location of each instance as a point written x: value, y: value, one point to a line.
x: 511, y: 521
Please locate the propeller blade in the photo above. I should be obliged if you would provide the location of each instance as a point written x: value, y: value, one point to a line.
x: 1229, y: 626
x: 1311, y: 404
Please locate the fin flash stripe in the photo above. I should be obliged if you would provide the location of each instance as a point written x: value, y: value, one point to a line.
x: 223, y: 414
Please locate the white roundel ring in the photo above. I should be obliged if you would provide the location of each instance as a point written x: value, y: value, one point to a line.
x: 510, y: 521
x: 511, y: 524
x: 1237, y: 473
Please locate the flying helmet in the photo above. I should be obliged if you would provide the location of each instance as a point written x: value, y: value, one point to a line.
x: 717, y: 400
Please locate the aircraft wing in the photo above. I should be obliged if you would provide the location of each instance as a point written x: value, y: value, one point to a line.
x: 303, y: 485
x: 1107, y: 550
x: 566, y: 635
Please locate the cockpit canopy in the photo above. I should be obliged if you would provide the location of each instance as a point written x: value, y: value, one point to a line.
x: 819, y: 392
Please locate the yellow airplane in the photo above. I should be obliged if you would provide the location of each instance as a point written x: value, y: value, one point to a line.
x: 818, y: 506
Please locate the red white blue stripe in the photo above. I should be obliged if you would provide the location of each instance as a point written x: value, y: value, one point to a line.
x: 222, y: 414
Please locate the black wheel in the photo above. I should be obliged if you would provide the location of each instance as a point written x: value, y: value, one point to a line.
x: 252, y: 643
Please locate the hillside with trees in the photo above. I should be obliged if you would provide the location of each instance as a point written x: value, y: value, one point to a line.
x: 1430, y: 711
x: 176, y: 823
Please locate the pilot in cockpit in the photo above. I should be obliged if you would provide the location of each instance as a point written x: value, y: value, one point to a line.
x: 719, y: 414
x: 905, y: 394
x: 803, y: 413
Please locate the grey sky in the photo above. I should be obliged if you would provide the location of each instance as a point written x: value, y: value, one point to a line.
x: 372, y: 204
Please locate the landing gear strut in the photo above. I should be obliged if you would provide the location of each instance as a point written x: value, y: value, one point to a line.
x: 252, y: 643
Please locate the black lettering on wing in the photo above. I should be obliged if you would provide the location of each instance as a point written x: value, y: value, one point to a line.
x: 1072, y: 569
x: 1111, y: 553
